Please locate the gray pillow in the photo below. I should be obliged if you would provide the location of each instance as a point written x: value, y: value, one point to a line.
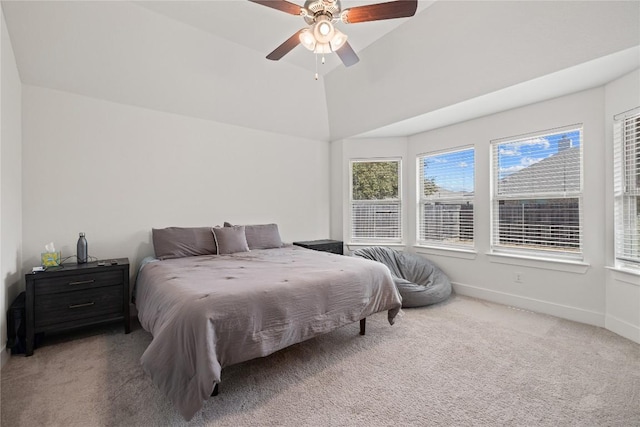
x: 230, y: 240
x: 178, y: 242
x: 261, y: 236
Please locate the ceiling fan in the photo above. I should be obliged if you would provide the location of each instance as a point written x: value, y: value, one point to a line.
x: 321, y: 36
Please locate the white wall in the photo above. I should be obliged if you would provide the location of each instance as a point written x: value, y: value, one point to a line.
x: 11, y: 184
x: 622, y: 288
x: 573, y: 291
x: 337, y: 183
x: 115, y: 171
x: 480, y: 46
x: 123, y: 52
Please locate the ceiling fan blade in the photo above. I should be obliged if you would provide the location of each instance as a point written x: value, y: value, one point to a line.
x: 285, y: 47
x: 281, y: 5
x: 380, y: 11
x: 347, y: 55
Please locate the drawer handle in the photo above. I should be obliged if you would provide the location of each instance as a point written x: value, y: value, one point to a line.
x: 82, y: 282
x: 86, y: 304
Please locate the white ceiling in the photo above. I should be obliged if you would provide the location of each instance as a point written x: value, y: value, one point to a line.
x: 570, y: 80
x: 121, y: 52
x: 262, y: 29
x: 206, y: 59
x: 460, y: 60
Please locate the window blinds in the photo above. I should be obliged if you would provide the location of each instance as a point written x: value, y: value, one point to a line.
x: 446, y: 192
x: 375, y: 220
x: 537, y: 192
x: 626, y: 138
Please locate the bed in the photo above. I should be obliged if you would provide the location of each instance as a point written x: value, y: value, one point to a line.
x: 206, y: 312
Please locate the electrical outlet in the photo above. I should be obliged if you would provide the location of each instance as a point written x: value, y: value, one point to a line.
x: 517, y: 277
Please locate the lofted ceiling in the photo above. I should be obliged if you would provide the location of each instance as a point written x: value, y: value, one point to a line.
x: 204, y: 59
x: 262, y: 29
x: 452, y: 61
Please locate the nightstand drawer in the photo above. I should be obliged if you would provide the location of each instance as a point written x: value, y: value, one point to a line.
x: 46, y: 286
x: 69, y: 306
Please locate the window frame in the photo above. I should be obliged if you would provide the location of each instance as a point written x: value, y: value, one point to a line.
x: 398, y: 202
x: 535, y: 252
x: 421, y: 200
x: 624, y: 189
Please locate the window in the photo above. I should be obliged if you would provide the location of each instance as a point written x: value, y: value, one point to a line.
x: 445, y: 198
x: 376, y: 209
x: 626, y: 138
x: 537, y: 193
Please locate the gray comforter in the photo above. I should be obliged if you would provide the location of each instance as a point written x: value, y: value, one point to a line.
x: 208, y: 312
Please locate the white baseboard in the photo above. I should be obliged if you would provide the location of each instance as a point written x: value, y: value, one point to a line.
x: 4, y: 356
x: 538, y: 306
x: 622, y: 328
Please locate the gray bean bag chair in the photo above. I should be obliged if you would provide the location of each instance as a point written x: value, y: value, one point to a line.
x: 418, y: 280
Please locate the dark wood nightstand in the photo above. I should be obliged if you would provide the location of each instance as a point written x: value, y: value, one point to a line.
x: 333, y: 246
x: 75, y: 295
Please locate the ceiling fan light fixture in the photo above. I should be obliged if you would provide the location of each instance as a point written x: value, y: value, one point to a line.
x: 338, y: 40
x: 322, y: 48
x: 307, y: 40
x: 321, y: 15
x: 323, y: 30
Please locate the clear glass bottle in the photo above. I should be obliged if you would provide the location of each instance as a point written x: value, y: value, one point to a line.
x: 82, y: 250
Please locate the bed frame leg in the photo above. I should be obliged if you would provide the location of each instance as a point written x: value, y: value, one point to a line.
x: 363, y: 326
x: 215, y: 390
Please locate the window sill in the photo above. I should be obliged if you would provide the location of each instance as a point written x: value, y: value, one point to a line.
x: 367, y: 244
x: 627, y: 275
x: 567, y: 265
x: 461, y: 253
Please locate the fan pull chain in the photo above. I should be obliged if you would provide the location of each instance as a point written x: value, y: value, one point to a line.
x: 316, y: 55
x: 316, y: 76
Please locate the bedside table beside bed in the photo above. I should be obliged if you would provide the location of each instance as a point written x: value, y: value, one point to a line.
x: 76, y: 295
x: 326, y: 245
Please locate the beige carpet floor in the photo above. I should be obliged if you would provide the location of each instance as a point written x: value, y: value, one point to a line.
x: 462, y: 363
